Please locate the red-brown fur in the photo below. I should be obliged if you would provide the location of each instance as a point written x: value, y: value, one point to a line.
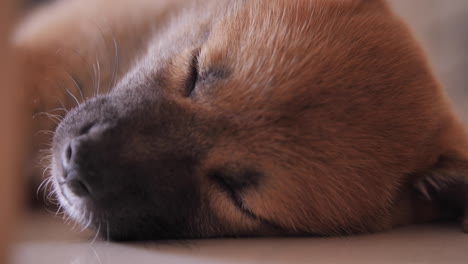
x: 334, y: 100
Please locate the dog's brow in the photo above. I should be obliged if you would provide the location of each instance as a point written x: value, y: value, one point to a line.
x: 215, y: 73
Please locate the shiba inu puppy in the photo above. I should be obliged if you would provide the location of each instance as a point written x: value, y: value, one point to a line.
x: 242, y: 118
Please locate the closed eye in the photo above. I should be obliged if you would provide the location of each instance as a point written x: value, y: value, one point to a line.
x: 192, y: 79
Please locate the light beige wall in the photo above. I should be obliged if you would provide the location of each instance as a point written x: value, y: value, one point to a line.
x: 442, y: 26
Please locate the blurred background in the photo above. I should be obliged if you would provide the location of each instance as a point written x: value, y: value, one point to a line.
x: 440, y: 25
x: 9, y: 137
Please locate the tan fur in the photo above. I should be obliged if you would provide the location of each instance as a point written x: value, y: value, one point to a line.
x: 342, y: 126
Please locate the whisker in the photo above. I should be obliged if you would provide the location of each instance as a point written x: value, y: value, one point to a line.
x: 98, y: 87
x: 75, y: 223
x: 90, y: 219
x: 44, y: 182
x: 113, y: 81
x: 83, y: 60
x: 45, y: 171
x: 96, y: 235
x: 46, y: 153
x: 55, y: 118
x: 44, y: 163
x: 46, y: 158
x: 96, y: 255
x: 50, y: 185
x: 49, y: 211
x: 95, y: 79
x: 78, y: 87
x: 61, y: 104
x: 59, y: 109
x: 73, y: 96
x: 46, y: 132
x: 58, y: 210
x: 49, y: 196
x: 44, y: 145
x: 38, y: 114
x: 105, y: 42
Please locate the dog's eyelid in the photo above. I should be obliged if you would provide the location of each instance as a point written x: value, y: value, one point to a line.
x: 213, y: 73
x: 193, y: 75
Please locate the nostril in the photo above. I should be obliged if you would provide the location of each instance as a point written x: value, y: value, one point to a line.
x: 68, y: 154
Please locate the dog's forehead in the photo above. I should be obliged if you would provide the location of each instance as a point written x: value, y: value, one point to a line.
x: 281, y: 32
x: 291, y: 44
x: 232, y: 30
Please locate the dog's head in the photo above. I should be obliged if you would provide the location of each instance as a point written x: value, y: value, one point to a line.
x: 253, y: 118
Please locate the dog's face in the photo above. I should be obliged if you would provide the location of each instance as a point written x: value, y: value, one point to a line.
x: 257, y: 118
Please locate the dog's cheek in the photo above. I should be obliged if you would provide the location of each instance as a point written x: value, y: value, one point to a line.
x: 286, y: 206
x: 319, y: 203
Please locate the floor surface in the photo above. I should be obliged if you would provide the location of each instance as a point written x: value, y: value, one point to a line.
x: 46, y: 240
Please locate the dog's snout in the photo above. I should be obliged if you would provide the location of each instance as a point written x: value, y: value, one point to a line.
x: 76, y: 159
x: 73, y: 148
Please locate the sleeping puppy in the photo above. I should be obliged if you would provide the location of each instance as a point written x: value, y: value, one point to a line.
x: 242, y: 118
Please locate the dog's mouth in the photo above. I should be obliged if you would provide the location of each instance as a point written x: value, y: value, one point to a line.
x: 74, y: 207
x: 100, y: 215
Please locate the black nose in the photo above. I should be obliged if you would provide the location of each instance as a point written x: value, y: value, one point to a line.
x: 76, y: 159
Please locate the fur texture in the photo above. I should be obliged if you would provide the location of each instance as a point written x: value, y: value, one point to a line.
x: 244, y: 118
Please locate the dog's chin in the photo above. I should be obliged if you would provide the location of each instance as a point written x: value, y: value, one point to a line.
x: 79, y: 210
x: 73, y: 207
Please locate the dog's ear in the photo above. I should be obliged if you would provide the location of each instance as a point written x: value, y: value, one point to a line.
x: 447, y: 184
